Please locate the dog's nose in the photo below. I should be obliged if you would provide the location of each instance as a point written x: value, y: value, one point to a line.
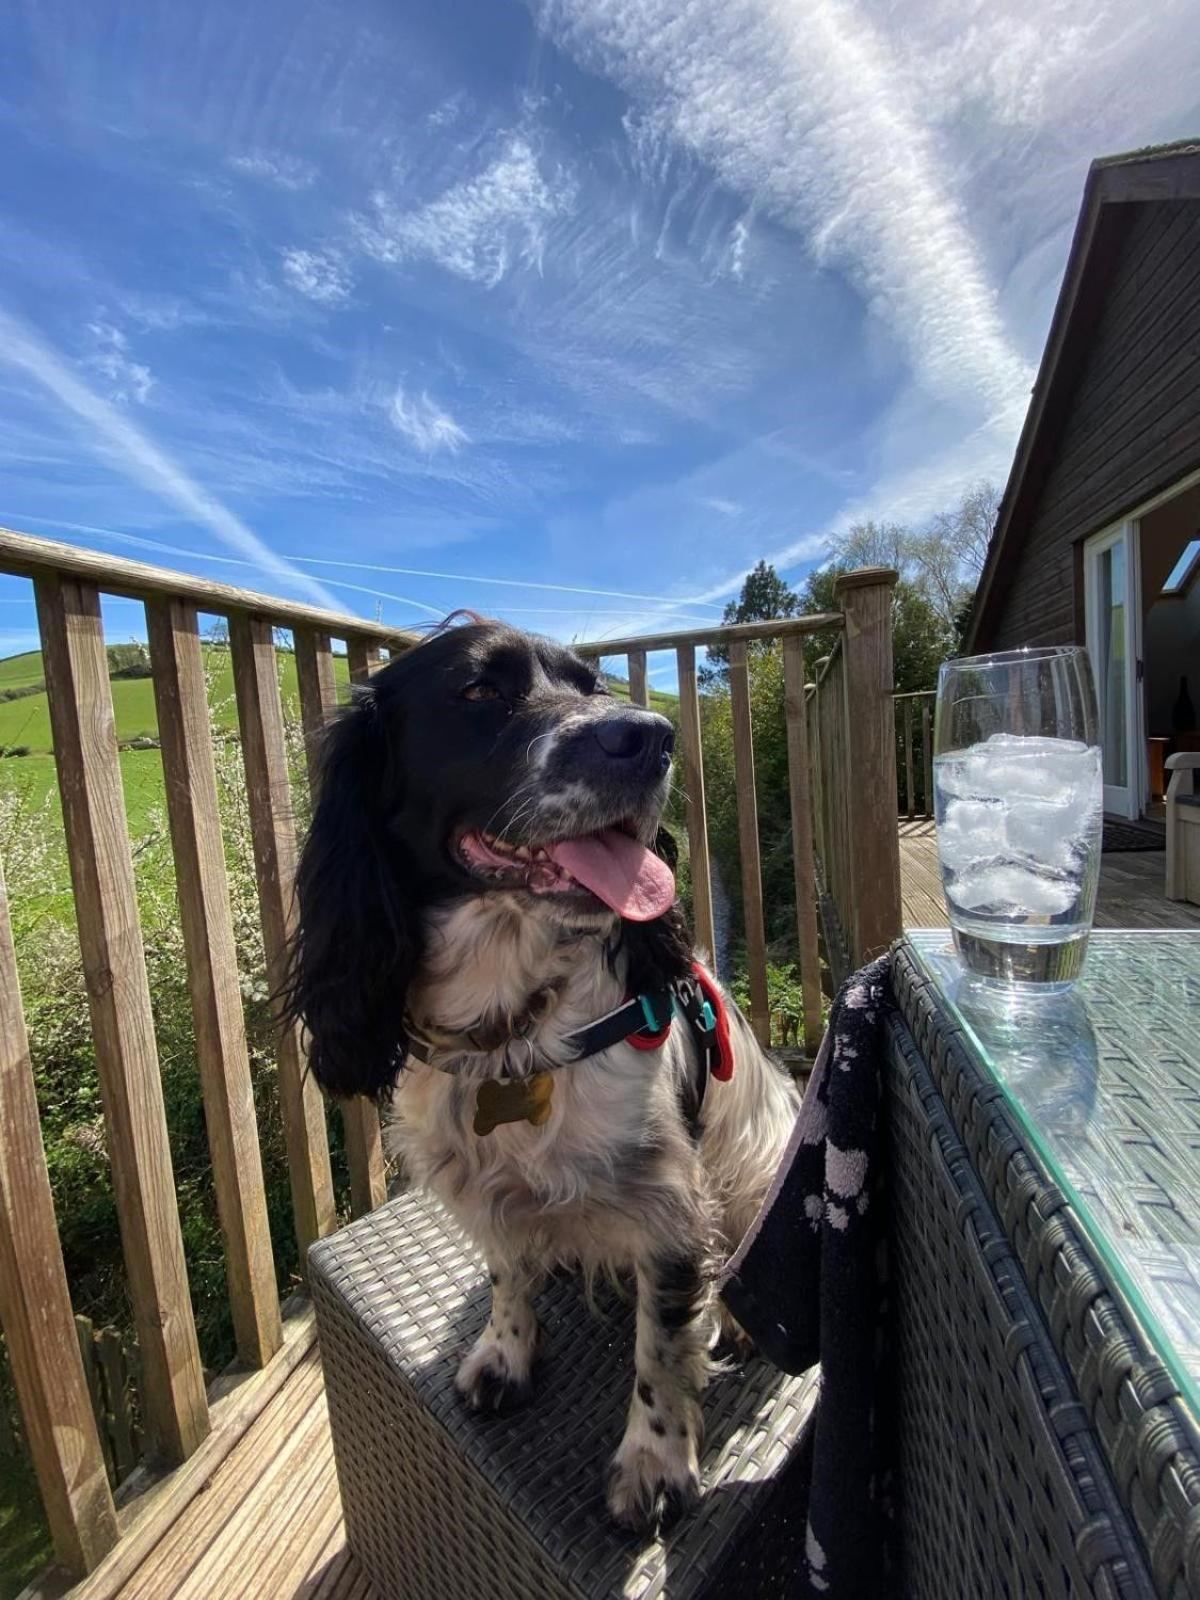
x: 637, y: 735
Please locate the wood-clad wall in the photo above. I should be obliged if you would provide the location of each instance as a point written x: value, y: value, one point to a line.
x: 1132, y: 426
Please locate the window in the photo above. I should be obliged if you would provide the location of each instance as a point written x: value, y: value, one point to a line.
x: 1184, y: 570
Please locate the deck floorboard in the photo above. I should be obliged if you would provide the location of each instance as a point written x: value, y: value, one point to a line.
x: 269, y: 1527
x: 1130, y: 894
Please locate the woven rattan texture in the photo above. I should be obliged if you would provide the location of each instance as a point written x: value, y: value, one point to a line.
x: 1148, y: 1436
x: 1003, y: 1490
x: 442, y: 1505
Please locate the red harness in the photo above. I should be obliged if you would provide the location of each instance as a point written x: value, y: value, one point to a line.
x: 703, y: 1009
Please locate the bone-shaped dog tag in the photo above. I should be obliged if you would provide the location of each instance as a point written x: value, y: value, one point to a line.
x: 513, y: 1100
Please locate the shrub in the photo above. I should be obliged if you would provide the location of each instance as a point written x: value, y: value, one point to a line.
x: 130, y: 660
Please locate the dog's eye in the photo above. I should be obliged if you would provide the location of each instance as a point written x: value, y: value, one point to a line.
x: 481, y: 690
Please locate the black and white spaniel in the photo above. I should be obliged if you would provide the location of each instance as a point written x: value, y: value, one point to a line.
x: 484, y: 880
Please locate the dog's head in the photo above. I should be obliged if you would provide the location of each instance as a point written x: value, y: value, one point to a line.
x: 484, y: 761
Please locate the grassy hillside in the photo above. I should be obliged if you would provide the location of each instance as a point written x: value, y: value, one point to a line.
x: 33, y: 777
x: 27, y: 721
x: 17, y: 671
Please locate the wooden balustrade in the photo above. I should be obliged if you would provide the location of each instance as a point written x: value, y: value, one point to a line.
x: 916, y: 749
x: 825, y: 746
x: 842, y: 785
x: 59, y: 1423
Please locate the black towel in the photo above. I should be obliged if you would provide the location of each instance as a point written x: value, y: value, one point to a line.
x: 808, y: 1285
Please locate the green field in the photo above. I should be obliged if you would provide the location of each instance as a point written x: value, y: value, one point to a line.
x: 27, y: 721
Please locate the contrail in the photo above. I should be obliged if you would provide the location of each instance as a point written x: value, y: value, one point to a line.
x: 143, y: 461
x: 507, y: 583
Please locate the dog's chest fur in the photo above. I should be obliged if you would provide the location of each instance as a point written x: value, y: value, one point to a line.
x: 576, y: 1179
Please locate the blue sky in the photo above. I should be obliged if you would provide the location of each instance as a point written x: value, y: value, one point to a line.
x: 603, y: 298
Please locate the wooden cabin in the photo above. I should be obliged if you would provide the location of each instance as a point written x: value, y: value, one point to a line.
x: 1098, y: 537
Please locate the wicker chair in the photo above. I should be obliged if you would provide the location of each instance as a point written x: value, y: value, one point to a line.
x: 1183, y: 828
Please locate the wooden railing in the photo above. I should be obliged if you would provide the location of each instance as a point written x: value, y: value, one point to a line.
x: 841, y: 774
x: 35, y: 1307
x: 841, y: 763
x: 851, y: 734
x: 914, y: 731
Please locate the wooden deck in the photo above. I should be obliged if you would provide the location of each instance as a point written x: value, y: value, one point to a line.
x: 269, y: 1525
x: 260, y: 1521
x: 1130, y: 895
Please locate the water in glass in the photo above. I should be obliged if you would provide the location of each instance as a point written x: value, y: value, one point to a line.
x: 1019, y: 813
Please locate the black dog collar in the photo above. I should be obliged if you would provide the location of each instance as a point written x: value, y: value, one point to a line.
x: 644, y: 1022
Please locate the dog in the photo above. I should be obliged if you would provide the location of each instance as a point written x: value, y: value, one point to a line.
x: 484, y: 877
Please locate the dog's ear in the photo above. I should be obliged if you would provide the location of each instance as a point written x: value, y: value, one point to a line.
x: 357, y: 942
x: 658, y: 952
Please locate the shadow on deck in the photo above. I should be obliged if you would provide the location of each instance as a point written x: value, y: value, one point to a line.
x: 1130, y: 895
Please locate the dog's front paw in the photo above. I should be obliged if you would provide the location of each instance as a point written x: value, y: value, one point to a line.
x: 654, y: 1477
x: 497, y: 1373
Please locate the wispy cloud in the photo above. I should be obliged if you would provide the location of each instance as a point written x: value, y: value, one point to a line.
x: 111, y: 434
x: 127, y: 379
x: 739, y: 238
x: 480, y: 227
x: 284, y: 171
x: 799, y: 108
x: 319, y: 274
x: 909, y: 496
x: 423, y: 423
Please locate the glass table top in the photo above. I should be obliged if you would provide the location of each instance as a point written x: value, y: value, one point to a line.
x: 1105, y: 1081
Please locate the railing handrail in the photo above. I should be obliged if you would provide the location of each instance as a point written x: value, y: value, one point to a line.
x: 24, y: 556
x: 911, y: 694
x: 719, y: 633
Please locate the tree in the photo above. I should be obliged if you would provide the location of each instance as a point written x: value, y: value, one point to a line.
x: 969, y: 527
x: 873, y: 544
x: 942, y: 560
x: 765, y: 597
x: 921, y: 637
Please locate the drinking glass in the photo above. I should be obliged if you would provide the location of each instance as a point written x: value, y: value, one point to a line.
x: 1018, y: 791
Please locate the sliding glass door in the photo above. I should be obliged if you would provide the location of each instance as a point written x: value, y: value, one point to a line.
x: 1112, y: 597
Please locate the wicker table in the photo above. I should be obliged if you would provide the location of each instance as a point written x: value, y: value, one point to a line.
x: 1046, y: 1235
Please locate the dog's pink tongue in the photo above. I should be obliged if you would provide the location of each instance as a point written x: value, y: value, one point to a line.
x: 621, y: 872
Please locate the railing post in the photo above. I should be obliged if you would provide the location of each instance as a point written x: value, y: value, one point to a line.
x: 273, y: 835
x: 693, y: 792
x: 802, y: 839
x: 360, y: 1117
x: 747, y: 811
x: 203, y: 888
x: 638, y: 691
x: 910, y: 798
x: 927, y: 752
x: 35, y: 1305
x: 114, y: 965
x: 876, y: 919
